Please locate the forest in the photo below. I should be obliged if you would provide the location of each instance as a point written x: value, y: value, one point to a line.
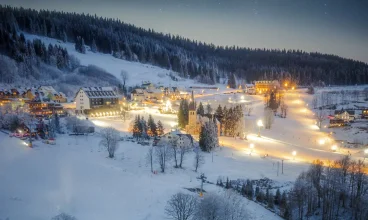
x: 190, y: 58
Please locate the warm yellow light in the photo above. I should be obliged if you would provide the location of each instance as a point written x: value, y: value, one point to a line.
x: 251, y: 145
x: 294, y: 153
x: 286, y: 84
x: 322, y: 141
x: 334, y: 147
x: 259, y: 123
x: 366, y: 151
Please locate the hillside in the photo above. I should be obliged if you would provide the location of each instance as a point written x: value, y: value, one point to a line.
x: 206, y: 62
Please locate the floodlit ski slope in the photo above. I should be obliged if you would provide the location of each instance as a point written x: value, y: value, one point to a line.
x: 137, y: 72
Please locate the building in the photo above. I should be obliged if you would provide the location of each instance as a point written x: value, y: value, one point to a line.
x: 153, y: 94
x: 337, y: 123
x: 263, y: 87
x: 147, y: 85
x: 250, y: 89
x: 195, y: 121
x: 345, y: 115
x: 101, y: 100
x: 45, y: 108
x: 365, y: 113
x: 177, y: 139
x: 50, y: 92
x: 138, y: 95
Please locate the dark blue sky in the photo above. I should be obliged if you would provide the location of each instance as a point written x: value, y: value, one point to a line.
x: 329, y: 26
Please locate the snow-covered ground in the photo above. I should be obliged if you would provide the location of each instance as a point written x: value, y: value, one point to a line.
x: 137, y: 72
x: 75, y: 176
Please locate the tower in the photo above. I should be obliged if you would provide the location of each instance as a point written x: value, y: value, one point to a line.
x: 192, y: 122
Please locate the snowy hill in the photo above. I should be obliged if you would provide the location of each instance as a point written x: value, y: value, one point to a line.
x: 137, y: 72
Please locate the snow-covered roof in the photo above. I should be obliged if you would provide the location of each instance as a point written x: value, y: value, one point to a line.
x: 138, y: 91
x: 99, y: 92
x: 249, y: 85
x: 154, y: 91
x: 47, y: 89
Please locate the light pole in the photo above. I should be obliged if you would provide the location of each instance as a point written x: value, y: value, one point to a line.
x: 294, y: 154
x: 365, y: 153
x: 251, y: 146
x: 259, y: 124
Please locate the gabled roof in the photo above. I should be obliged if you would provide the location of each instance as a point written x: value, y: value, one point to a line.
x: 99, y: 92
x: 350, y: 112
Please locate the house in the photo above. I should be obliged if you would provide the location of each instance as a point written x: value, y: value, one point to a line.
x: 266, y: 86
x: 50, y: 92
x: 148, y: 85
x: 154, y: 94
x: 177, y: 139
x: 337, y: 123
x: 250, y: 89
x: 138, y: 95
x: 345, y: 115
x: 91, y: 100
x: 365, y: 113
x: 196, y: 122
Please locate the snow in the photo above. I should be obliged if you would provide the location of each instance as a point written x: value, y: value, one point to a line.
x: 76, y: 177
x: 137, y: 72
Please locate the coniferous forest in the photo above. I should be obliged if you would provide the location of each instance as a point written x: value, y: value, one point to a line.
x: 190, y: 58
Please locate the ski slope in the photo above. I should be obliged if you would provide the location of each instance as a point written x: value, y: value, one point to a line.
x: 137, y: 72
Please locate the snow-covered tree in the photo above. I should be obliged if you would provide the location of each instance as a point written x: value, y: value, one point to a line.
x: 163, y: 154
x: 94, y: 46
x: 208, y: 138
x: 268, y: 117
x: 181, y: 206
x: 200, y: 109
x: 110, y: 139
x: 198, y: 158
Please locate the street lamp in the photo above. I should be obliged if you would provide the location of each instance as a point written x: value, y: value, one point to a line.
x: 259, y: 124
x: 334, y: 148
x: 251, y: 146
x: 365, y: 153
x: 294, y: 154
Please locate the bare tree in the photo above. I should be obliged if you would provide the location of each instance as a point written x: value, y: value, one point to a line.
x: 149, y: 158
x: 284, y: 109
x: 268, y: 117
x: 233, y: 206
x: 163, y: 154
x: 184, y: 143
x: 124, y: 115
x: 181, y: 206
x: 198, y: 158
x: 110, y: 138
x: 315, y: 102
x: 320, y: 117
x: 227, y: 206
x: 124, y: 77
x: 210, y: 207
x: 249, y: 108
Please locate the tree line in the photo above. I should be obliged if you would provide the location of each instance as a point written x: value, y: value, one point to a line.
x: 204, y: 61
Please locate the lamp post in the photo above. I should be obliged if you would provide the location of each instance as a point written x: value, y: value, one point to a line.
x: 259, y: 124
x: 294, y: 154
x: 251, y: 146
x: 365, y: 153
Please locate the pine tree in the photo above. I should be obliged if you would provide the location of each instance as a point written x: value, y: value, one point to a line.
x: 219, y: 114
x: 209, y: 110
x: 200, y: 109
x: 83, y: 47
x: 277, y: 197
x: 137, y: 127
x: 152, y: 128
x: 57, y: 123
x: 93, y: 46
x: 160, y: 128
x: 208, y: 138
x: 65, y: 37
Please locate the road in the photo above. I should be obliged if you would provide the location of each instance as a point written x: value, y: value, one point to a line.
x: 297, y: 132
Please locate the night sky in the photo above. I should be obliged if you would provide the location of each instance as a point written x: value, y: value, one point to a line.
x: 329, y: 26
